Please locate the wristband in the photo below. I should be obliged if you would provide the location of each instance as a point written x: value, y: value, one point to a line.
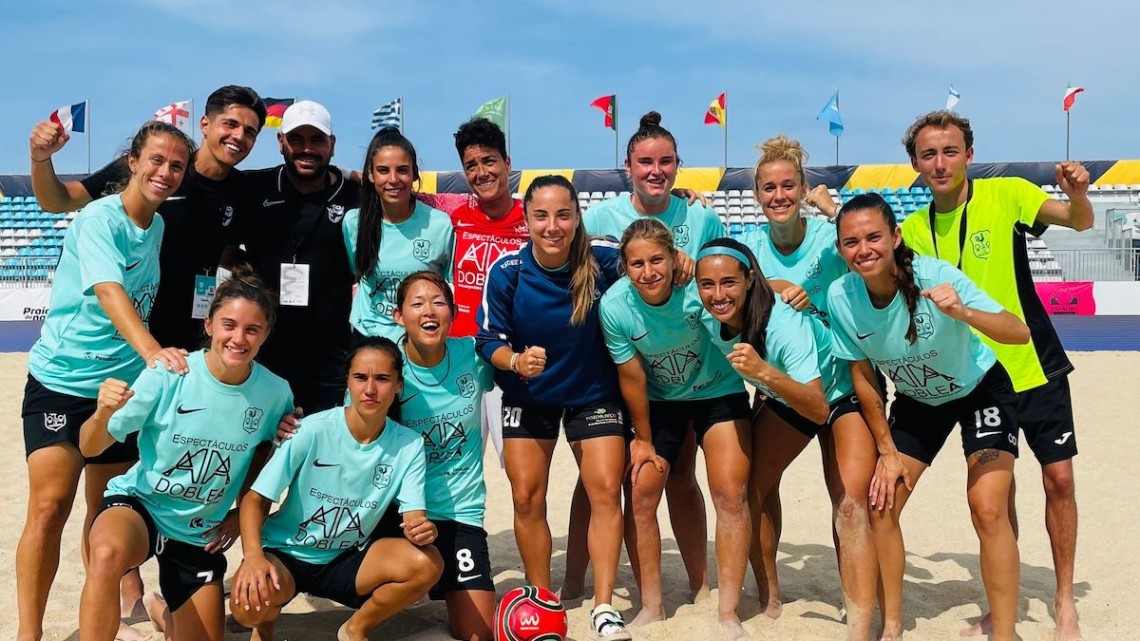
x: 514, y: 362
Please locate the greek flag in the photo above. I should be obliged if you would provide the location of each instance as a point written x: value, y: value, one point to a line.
x: 389, y: 115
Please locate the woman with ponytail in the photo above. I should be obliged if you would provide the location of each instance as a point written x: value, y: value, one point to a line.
x: 803, y: 252
x: 916, y: 317
x: 410, y: 235
x: 538, y: 326
x: 802, y: 389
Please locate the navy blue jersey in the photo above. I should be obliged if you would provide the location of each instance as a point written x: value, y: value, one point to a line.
x: 525, y: 305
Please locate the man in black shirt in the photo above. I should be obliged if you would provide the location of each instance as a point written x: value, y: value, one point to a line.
x: 293, y: 238
x: 201, y: 217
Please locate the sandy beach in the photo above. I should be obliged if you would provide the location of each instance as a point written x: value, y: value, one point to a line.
x: 943, y: 590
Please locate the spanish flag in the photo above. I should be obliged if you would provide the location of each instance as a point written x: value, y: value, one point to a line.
x: 275, y: 108
x: 716, y: 114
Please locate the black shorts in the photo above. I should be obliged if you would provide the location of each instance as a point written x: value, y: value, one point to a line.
x: 670, y: 420
x: 335, y: 580
x: 842, y: 407
x: 1046, y: 416
x: 52, y: 417
x: 988, y: 416
x: 182, y: 567
x: 541, y: 422
x: 466, y: 559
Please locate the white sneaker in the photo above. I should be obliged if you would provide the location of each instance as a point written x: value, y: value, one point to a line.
x: 608, y: 624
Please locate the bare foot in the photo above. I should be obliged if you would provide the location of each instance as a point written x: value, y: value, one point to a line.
x: 159, y: 614
x: 647, y: 615
x: 1068, y: 629
x: 702, y: 594
x: 343, y: 634
x: 891, y: 633
x: 127, y: 633
x: 981, y: 627
x: 732, y: 629
x: 132, y: 609
x: 571, y: 589
x: 773, y: 608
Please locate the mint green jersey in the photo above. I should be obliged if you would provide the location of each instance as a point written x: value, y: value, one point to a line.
x: 814, y: 265
x: 680, y: 361
x: 947, y: 360
x: 691, y: 225
x: 79, y: 345
x: 422, y: 242
x: 797, y: 345
x: 338, y: 487
x: 442, y: 404
x: 197, y: 437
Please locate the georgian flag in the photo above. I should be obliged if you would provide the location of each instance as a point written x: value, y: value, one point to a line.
x: 71, y: 117
x: 175, y: 113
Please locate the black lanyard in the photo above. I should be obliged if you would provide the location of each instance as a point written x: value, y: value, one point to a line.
x: 961, y: 224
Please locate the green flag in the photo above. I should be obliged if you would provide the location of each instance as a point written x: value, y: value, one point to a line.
x: 495, y: 111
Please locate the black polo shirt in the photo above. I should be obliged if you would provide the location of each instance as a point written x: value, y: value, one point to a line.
x: 201, y: 219
x: 309, y: 344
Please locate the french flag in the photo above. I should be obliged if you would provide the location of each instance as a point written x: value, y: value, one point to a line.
x: 71, y: 117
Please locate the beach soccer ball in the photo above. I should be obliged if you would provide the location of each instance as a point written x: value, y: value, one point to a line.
x: 530, y: 613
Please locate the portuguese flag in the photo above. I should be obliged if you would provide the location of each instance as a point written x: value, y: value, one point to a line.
x: 608, y: 105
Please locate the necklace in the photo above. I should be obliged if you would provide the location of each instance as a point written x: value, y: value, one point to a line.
x: 412, y: 369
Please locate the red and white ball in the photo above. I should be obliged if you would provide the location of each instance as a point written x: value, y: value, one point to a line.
x: 530, y: 613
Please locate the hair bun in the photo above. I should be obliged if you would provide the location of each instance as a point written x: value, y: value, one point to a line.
x: 389, y: 130
x: 245, y: 272
x: 651, y: 119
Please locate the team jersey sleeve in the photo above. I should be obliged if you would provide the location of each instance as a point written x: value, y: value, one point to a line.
x: 449, y: 257
x: 100, y: 183
x: 496, y: 311
x: 1028, y: 199
x: 100, y: 261
x: 283, y: 465
x: 609, y: 258
x: 149, y: 389
x: 842, y: 346
x: 349, y: 227
x: 617, y: 338
x: 910, y: 229
x: 411, y: 494
x: 795, y: 347
x: 972, y: 296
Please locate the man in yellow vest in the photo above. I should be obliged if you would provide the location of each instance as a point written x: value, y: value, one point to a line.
x: 979, y: 225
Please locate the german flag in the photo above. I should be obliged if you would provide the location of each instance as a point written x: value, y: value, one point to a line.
x: 275, y: 108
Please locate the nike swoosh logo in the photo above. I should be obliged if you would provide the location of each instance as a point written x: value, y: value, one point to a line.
x: 270, y: 203
x: 463, y: 579
x: 637, y: 338
x: 463, y: 223
x: 175, y: 198
x: 983, y: 434
x: 1064, y: 438
x: 133, y: 265
x: 317, y: 463
x: 183, y: 410
x: 863, y: 336
x: 408, y: 398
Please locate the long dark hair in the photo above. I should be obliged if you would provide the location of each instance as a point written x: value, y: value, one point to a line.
x: 371, y: 211
x: 584, y: 268
x: 903, y: 255
x: 758, y: 301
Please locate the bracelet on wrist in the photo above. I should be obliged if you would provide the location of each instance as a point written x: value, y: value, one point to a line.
x: 34, y: 159
x: 514, y: 362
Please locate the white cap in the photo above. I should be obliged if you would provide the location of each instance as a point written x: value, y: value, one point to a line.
x: 306, y: 112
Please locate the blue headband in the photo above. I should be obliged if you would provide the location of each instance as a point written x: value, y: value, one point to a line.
x: 721, y: 250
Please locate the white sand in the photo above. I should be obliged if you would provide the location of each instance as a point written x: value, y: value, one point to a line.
x: 943, y: 589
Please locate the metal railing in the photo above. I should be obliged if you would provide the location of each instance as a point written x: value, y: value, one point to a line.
x: 1108, y: 264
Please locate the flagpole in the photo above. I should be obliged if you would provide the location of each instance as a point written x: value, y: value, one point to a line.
x: 508, y: 124
x: 403, y: 114
x: 1068, y: 114
x: 87, y: 108
x: 724, y: 112
x: 190, y: 122
x: 837, y: 137
x: 617, y: 144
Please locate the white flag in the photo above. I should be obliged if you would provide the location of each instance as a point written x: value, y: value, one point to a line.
x: 952, y: 98
x: 176, y: 114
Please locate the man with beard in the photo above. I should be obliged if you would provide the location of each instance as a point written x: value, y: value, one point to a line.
x: 293, y: 239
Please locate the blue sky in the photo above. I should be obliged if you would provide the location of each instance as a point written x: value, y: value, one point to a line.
x: 779, y: 62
